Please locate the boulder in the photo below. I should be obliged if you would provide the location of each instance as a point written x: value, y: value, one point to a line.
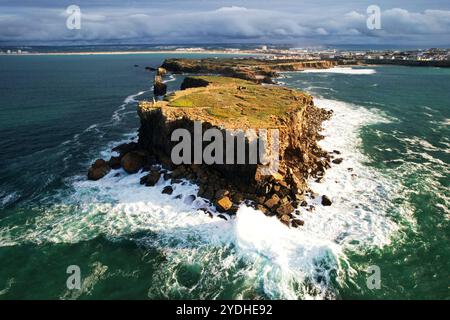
x: 261, y: 199
x: 337, y: 160
x: 167, y: 190
x: 224, y: 204
x: 285, y: 219
x: 132, y: 162
x: 285, y: 209
x: 284, y: 200
x: 326, y: 201
x: 98, y: 170
x: 297, y: 223
x: 272, y: 202
x: 114, y: 162
x: 152, y: 178
x: 262, y: 209
x: 124, y: 148
x: 277, y: 176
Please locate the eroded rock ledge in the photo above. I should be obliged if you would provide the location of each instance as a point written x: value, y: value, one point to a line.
x: 230, y: 103
x: 256, y: 70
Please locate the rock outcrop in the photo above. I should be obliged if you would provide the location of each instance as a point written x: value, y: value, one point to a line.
x: 230, y: 104
x: 256, y: 70
x: 283, y: 123
x: 159, y: 87
x: 98, y: 170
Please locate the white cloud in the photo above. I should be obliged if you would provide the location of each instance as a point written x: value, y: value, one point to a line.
x: 225, y: 23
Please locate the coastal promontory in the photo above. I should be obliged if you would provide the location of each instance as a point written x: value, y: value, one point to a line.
x: 233, y: 102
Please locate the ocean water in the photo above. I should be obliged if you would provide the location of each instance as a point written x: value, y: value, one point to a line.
x: 390, y: 194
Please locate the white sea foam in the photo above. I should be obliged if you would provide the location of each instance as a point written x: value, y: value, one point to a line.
x: 118, y: 114
x: 7, y: 198
x: 132, y: 98
x: 342, y: 70
x: 170, y: 78
x: 9, y: 284
x: 286, y: 263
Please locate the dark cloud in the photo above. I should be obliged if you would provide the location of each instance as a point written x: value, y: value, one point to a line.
x: 226, y: 21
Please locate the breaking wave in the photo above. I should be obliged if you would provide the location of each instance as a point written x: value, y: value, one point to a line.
x: 342, y: 70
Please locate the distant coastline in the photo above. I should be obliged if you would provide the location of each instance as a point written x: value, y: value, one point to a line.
x: 409, y: 63
x: 274, y: 54
x: 131, y: 52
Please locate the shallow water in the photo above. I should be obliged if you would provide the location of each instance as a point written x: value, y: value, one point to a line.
x: 59, y: 113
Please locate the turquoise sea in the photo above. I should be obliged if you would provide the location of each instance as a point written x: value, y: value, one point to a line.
x: 390, y: 194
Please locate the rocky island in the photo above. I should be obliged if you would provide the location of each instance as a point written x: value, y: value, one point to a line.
x: 256, y: 70
x: 232, y: 99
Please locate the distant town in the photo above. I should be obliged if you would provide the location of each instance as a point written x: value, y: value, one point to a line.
x: 419, y: 57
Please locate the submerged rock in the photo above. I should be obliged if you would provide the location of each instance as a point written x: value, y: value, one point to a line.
x: 167, y: 190
x: 326, y: 201
x: 151, y: 179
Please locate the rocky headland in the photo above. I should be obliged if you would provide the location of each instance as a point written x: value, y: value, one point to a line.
x: 255, y: 70
x: 230, y: 101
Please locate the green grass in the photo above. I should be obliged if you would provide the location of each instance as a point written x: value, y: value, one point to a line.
x: 235, y: 100
x: 182, y: 103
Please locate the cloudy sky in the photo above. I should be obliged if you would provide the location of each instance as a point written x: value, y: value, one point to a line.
x: 295, y: 22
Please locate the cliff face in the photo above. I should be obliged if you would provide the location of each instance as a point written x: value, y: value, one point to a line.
x: 290, y: 112
x: 255, y: 122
